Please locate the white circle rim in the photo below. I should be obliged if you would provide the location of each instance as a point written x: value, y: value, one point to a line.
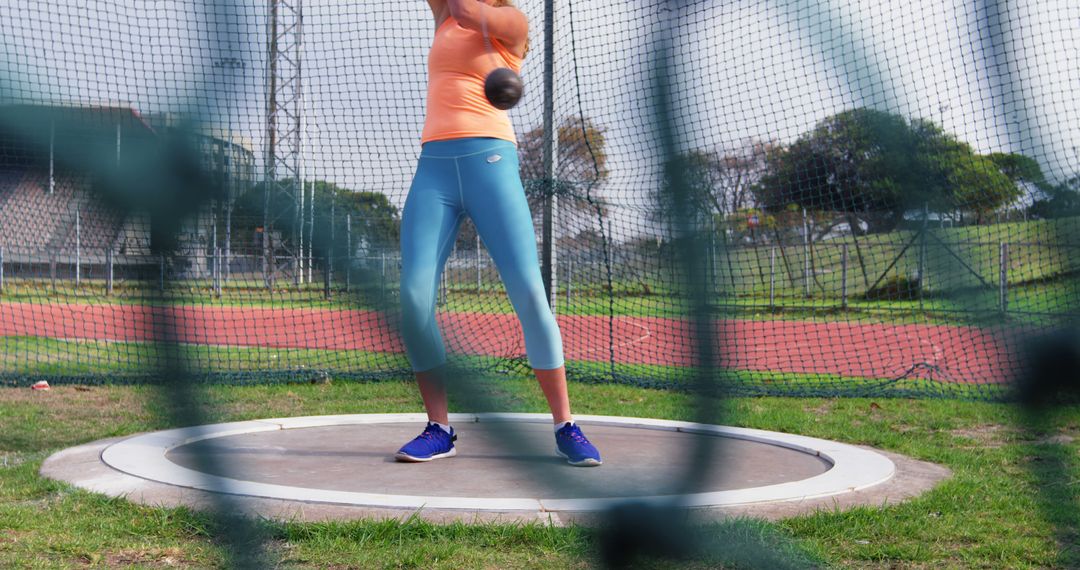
x: 852, y: 468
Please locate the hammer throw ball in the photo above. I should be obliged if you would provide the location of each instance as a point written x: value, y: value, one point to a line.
x: 503, y: 88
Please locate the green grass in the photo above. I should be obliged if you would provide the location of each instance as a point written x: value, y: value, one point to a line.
x: 59, y: 358
x: 24, y: 360
x: 1041, y: 281
x: 1011, y: 503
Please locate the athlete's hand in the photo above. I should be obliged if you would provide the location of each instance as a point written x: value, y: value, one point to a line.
x: 506, y: 24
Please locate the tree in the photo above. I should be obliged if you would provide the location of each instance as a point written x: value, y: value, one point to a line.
x: 1058, y: 201
x: 720, y: 183
x: 581, y: 168
x: 879, y: 165
x: 376, y: 222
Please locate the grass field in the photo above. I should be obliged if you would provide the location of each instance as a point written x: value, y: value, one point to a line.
x: 24, y: 360
x: 1040, y: 275
x: 1011, y: 503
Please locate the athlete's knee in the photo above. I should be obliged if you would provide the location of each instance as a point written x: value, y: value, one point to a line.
x: 532, y: 306
x: 417, y: 299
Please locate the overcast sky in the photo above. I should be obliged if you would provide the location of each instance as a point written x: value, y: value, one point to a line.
x: 745, y: 69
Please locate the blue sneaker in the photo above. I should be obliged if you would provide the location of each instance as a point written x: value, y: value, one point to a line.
x: 433, y: 443
x: 575, y: 447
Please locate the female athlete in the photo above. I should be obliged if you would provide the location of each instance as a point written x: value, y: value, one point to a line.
x: 469, y: 167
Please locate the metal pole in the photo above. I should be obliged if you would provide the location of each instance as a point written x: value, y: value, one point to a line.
x: 78, y: 248
x: 772, y: 277
x: 311, y: 234
x: 327, y: 276
x: 214, y: 247
x: 843, y: 275
x: 922, y: 250
x: 348, y: 251
x: 806, y: 255
x: 301, y: 133
x: 547, y: 253
x: 714, y: 286
x: 228, y: 237
x: 217, y: 272
x: 108, y: 271
x: 118, y: 145
x: 298, y: 245
x: 1, y: 269
x: 479, y: 281
x: 382, y: 276
x: 1003, y: 262
x: 333, y: 242
x: 269, y: 172
x: 569, y: 279
x: 52, y: 157
x: 161, y: 272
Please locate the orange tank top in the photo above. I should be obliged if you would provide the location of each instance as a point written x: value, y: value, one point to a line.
x: 456, y: 106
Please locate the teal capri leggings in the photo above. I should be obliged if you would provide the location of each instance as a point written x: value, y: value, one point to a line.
x: 475, y: 177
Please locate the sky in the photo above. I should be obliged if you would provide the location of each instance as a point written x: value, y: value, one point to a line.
x: 743, y: 70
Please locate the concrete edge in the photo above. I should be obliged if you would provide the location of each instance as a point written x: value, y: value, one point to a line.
x: 82, y: 467
x: 144, y: 456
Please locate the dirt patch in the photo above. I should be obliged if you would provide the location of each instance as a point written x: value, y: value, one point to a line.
x: 67, y: 415
x: 821, y: 410
x: 986, y: 436
x: 11, y: 536
x: 152, y: 557
x: 74, y: 396
x: 9, y: 460
x: 1058, y: 439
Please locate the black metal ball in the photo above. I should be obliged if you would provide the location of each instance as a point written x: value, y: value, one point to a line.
x: 503, y: 88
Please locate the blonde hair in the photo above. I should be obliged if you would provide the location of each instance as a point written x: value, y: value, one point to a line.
x: 510, y: 3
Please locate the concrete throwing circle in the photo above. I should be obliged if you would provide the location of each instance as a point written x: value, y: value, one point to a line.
x: 347, y: 460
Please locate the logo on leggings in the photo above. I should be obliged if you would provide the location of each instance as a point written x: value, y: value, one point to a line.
x: 494, y: 158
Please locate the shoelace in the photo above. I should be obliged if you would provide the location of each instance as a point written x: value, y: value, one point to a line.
x: 429, y: 432
x: 576, y: 435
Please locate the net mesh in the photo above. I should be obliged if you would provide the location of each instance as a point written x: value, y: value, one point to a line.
x: 891, y: 191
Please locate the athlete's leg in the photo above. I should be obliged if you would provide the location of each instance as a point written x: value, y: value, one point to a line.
x: 495, y: 200
x: 429, y: 226
x: 553, y: 385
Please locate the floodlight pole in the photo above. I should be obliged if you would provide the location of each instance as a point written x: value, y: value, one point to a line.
x: 547, y: 251
x: 284, y: 124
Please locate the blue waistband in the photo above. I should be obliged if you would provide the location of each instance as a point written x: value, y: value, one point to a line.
x: 458, y: 148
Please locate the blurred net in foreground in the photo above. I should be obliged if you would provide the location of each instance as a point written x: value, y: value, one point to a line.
x: 882, y: 217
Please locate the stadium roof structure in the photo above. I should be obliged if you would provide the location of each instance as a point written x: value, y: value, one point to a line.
x: 74, y: 117
x: 32, y: 122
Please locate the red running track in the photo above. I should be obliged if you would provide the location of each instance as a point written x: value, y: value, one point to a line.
x: 956, y: 354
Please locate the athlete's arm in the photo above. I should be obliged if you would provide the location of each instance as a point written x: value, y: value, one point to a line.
x: 439, y: 10
x: 507, y: 24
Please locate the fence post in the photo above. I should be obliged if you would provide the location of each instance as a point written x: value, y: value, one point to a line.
x: 382, y: 276
x: 1003, y: 262
x: 108, y: 271
x: 922, y: 251
x: 161, y: 272
x: 1, y: 269
x: 348, y: 251
x: 217, y: 272
x: 714, y: 279
x: 772, y: 277
x: 569, y: 279
x: 843, y: 275
x: 549, y: 158
x: 806, y: 255
x: 78, y: 248
x: 327, y: 276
